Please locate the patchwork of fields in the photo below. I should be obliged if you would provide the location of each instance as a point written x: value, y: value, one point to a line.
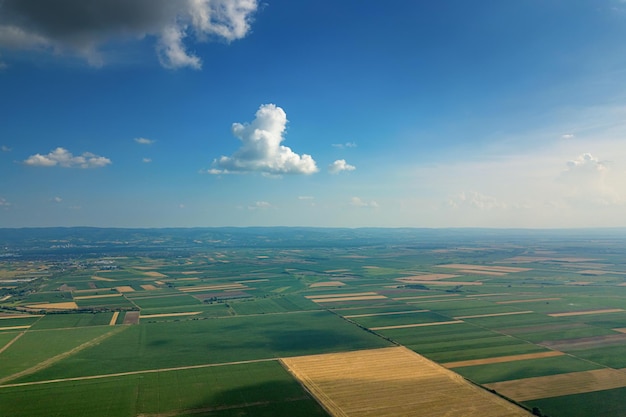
x: 204, y: 331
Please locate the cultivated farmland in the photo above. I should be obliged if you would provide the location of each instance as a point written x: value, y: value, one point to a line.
x: 161, y: 321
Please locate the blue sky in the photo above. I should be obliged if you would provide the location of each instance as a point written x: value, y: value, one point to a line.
x: 350, y: 113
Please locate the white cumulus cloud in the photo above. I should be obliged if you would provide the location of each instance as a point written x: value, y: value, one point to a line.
x: 63, y: 158
x: 261, y: 149
x: 82, y: 27
x: 339, y: 166
x: 146, y: 160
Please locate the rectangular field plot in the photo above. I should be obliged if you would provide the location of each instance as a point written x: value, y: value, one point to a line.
x: 250, y: 390
x: 389, y: 320
x: 273, y: 305
x: 169, y: 300
x: 194, y: 342
x: 607, y: 403
x: 557, y: 385
x: 526, y: 368
x: 393, y: 382
x: 59, y: 321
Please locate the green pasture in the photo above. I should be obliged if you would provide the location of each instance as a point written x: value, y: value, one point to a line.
x: 168, y: 300
x: 400, y: 319
x: 253, y: 389
x: 66, y: 320
x: 107, y: 302
x: 22, y: 321
x: 193, y: 342
x: 273, y: 304
x: 37, y: 346
x: 607, y: 403
x: 528, y: 368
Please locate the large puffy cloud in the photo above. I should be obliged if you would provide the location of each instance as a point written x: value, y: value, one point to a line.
x: 261, y: 149
x: 81, y: 26
x: 586, y: 181
x: 63, y: 158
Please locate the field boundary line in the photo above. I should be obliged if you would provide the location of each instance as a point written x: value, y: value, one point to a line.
x: 145, y: 371
x: 8, y: 345
x: 50, y: 361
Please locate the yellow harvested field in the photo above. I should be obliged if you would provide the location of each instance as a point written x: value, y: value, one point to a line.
x: 327, y: 284
x: 385, y: 314
x: 159, y: 282
x: 54, y: 306
x: 331, y: 271
x: 509, y: 313
x: 502, y: 359
x: 189, y: 313
x: 190, y: 272
x: 357, y: 298
x: 149, y: 287
x: 114, y: 318
x: 97, y: 278
x: 393, y: 382
x: 486, y: 268
x: 582, y: 313
x: 563, y: 384
x: 124, y: 288
x: 621, y: 330
x: 406, y: 326
x: 88, y: 297
x: 371, y: 267
x: 426, y: 277
x: 14, y: 328
x: 531, y: 300
x: 154, y: 274
x: 354, y: 294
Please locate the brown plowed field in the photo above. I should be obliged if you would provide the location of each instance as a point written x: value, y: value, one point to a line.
x: 393, y: 382
x: 557, y: 385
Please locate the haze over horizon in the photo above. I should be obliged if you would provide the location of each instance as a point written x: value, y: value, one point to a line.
x: 200, y: 113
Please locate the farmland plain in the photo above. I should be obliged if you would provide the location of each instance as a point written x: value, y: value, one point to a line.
x: 148, y: 322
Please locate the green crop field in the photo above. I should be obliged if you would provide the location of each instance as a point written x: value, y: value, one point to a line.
x: 164, y: 330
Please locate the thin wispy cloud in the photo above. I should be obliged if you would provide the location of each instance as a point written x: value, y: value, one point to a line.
x: 63, y: 158
x: 476, y: 200
x: 261, y: 149
x: 146, y: 160
x: 144, y: 141
x: 344, y: 145
x: 358, y: 202
x: 4, y: 203
x: 340, y: 165
x: 260, y: 205
x: 567, y: 136
x: 5, y: 148
x: 82, y: 27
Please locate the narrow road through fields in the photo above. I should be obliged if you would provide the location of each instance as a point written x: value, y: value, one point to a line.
x: 147, y: 371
